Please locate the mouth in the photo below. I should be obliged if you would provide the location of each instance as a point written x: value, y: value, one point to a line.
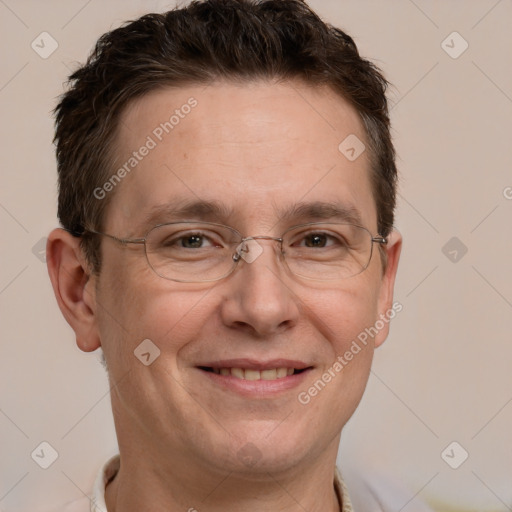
x: 251, y: 374
x: 256, y: 379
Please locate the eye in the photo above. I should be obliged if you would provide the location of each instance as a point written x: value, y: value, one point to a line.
x: 190, y: 240
x: 193, y: 241
x: 196, y: 240
x: 319, y: 239
x: 315, y: 240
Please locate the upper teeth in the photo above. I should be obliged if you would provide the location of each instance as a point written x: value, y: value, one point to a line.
x: 241, y: 373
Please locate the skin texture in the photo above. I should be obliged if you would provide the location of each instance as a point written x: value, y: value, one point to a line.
x: 256, y: 148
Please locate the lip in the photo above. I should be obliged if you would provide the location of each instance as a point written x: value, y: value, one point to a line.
x: 257, y: 388
x: 253, y: 364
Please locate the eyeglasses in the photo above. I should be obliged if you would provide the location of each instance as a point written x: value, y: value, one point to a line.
x: 197, y: 252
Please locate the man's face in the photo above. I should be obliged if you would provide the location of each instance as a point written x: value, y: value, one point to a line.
x: 258, y: 150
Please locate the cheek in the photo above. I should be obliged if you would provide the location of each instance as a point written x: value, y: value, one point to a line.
x: 341, y: 314
x: 138, y: 305
x: 345, y: 318
x: 352, y: 345
x: 331, y: 397
x: 133, y: 311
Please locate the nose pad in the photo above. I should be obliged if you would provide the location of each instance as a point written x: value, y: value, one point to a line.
x: 248, y: 250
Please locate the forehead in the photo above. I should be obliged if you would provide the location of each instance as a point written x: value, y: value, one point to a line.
x: 255, y: 148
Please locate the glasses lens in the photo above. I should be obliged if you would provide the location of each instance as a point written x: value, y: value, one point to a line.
x: 191, y: 252
x: 325, y: 251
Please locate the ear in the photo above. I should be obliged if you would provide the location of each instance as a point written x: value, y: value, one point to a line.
x: 387, y: 310
x: 74, y: 287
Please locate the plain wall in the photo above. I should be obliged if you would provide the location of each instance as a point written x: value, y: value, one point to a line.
x: 443, y: 375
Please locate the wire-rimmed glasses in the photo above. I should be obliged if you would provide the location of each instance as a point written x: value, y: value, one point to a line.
x: 196, y: 252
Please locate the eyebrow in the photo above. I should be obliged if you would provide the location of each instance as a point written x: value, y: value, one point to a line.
x: 214, y: 211
x: 322, y: 210
x: 186, y: 209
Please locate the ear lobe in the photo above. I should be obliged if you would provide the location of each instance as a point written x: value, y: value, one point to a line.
x: 73, y: 286
x: 385, y: 302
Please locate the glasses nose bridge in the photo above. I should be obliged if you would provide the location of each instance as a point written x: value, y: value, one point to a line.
x: 262, y: 237
x: 242, y: 247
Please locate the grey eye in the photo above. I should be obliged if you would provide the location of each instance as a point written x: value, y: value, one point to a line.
x: 192, y: 241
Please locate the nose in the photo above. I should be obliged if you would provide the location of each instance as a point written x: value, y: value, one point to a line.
x: 259, y: 299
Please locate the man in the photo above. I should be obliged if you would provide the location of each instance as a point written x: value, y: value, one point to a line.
x: 226, y: 189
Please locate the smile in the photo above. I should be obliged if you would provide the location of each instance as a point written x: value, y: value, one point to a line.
x: 250, y: 374
x: 260, y: 380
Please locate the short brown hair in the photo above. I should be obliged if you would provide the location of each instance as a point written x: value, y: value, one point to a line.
x: 198, y: 44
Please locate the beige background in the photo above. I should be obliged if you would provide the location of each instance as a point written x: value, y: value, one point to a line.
x: 445, y: 372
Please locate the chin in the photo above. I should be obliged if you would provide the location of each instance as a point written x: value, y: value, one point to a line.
x: 260, y: 450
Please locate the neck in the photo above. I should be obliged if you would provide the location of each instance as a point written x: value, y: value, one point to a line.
x: 142, y: 483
